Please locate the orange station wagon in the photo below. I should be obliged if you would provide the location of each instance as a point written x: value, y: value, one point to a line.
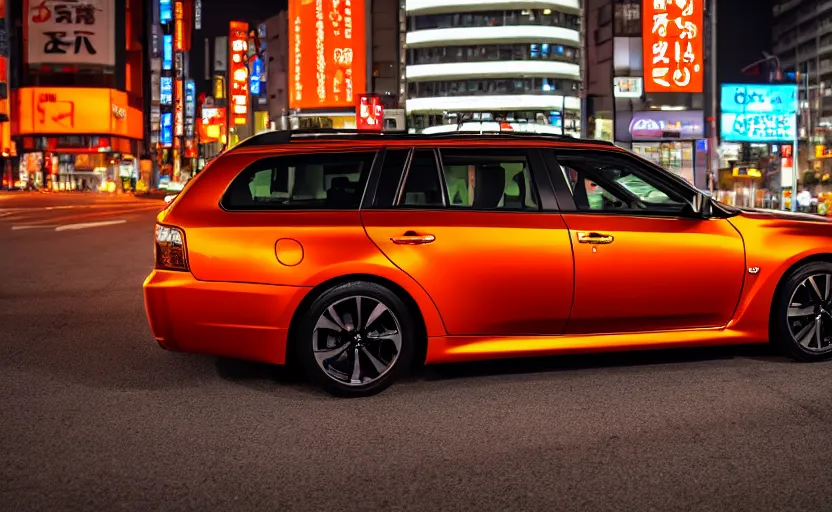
x: 354, y: 255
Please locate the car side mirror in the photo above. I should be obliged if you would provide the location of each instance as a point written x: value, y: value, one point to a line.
x: 702, y: 207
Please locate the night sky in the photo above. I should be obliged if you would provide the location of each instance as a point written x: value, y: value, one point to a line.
x: 744, y: 30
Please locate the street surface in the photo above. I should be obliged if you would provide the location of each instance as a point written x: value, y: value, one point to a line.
x: 94, y: 416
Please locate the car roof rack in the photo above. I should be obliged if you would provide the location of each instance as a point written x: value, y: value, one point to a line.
x: 278, y: 137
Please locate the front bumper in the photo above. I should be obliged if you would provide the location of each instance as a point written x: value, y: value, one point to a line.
x: 236, y: 320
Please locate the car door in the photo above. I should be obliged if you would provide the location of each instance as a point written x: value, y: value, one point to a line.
x: 643, y: 261
x: 472, y: 227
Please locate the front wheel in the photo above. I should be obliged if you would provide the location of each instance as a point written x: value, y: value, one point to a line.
x: 803, y: 313
x: 356, y: 339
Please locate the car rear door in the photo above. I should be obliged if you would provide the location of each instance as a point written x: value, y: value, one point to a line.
x: 474, y: 229
x: 643, y: 262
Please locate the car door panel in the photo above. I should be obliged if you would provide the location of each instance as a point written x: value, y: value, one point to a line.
x: 655, y: 273
x: 493, y: 264
x: 488, y: 273
x: 643, y: 261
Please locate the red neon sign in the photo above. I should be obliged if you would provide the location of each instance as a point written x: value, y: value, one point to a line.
x: 238, y: 72
x: 369, y: 113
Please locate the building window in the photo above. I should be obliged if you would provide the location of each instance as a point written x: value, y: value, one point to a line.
x: 628, y: 18
x: 545, y: 17
x: 494, y: 52
x: 493, y: 87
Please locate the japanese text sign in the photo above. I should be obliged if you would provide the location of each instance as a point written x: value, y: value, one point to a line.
x: 238, y: 72
x: 758, y: 113
x: 70, y: 32
x: 369, y: 113
x: 327, y: 53
x: 673, y: 52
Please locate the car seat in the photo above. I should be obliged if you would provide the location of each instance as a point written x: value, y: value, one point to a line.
x: 489, y: 186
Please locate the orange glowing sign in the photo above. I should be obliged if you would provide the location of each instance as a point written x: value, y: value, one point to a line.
x: 369, y: 113
x: 327, y: 53
x: 76, y: 111
x: 238, y: 72
x: 179, y: 27
x: 672, y: 39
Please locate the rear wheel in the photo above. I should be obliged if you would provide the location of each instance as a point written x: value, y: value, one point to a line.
x: 803, y: 321
x: 356, y: 339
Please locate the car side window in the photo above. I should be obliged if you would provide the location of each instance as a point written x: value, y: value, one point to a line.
x: 322, y: 181
x: 489, y: 179
x: 610, y: 183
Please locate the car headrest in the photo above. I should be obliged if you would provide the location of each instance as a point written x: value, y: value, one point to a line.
x: 489, y: 186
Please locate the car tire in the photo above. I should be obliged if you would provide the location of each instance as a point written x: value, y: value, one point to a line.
x: 799, y: 312
x: 360, y: 320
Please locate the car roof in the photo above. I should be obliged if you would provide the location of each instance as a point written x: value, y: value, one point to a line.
x: 283, y: 137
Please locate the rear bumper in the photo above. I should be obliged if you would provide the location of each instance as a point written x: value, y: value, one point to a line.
x: 236, y: 320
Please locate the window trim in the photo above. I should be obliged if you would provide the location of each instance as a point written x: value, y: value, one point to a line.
x: 397, y: 199
x: 564, y: 193
x: 302, y: 153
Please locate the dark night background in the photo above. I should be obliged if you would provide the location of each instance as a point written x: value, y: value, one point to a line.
x: 744, y: 30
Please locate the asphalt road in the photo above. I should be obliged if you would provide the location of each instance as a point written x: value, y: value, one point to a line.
x: 94, y: 416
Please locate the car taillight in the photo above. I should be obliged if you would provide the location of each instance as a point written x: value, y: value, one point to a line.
x: 171, y: 253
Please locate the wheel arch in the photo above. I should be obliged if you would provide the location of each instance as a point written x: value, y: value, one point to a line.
x: 814, y: 258
x: 420, y: 350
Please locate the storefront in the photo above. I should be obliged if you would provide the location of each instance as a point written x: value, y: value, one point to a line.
x: 77, y: 138
x: 674, y: 140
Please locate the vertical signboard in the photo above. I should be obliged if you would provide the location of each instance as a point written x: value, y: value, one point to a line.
x: 190, y: 107
x: 166, y: 90
x: 166, y: 138
x: 238, y: 72
x: 71, y: 33
x: 672, y: 44
x: 178, y: 109
x: 327, y: 53
x: 167, y: 52
x: 165, y: 11
x: 178, y: 27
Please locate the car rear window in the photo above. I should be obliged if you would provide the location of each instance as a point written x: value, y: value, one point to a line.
x: 322, y: 181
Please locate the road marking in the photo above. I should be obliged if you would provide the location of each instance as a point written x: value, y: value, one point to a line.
x: 85, y: 225
x: 18, y: 228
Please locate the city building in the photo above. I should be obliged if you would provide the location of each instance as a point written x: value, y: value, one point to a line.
x: 7, y: 151
x: 802, y: 38
x: 277, y: 69
x: 648, y: 81
x: 171, y: 116
x: 494, y: 60
x: 77, y: 92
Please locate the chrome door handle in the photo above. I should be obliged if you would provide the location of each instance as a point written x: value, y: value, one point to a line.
x: 594, y: 238
x: 412, y: 238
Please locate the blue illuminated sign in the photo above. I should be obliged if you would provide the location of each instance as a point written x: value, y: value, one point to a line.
x: 190, y: 98
x: 166, y: 91
x: 166, y: 137
x: 165, y: 11
x: 167, y: 52
x: 758, y: 113
x: 256, y: 75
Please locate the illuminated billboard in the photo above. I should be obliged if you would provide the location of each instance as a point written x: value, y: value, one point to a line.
x: 77, y: 111
x: 166, y: 138
x: 167, y: 52
x: 369, y: 113
x: 74, y: 33
x: 166, y: 90
x: 758, y: 113
x: 327, y: 53
x: 238, y: 72
x: 672, y: 45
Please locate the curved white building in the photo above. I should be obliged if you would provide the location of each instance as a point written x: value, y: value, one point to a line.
x: 488, y: 60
